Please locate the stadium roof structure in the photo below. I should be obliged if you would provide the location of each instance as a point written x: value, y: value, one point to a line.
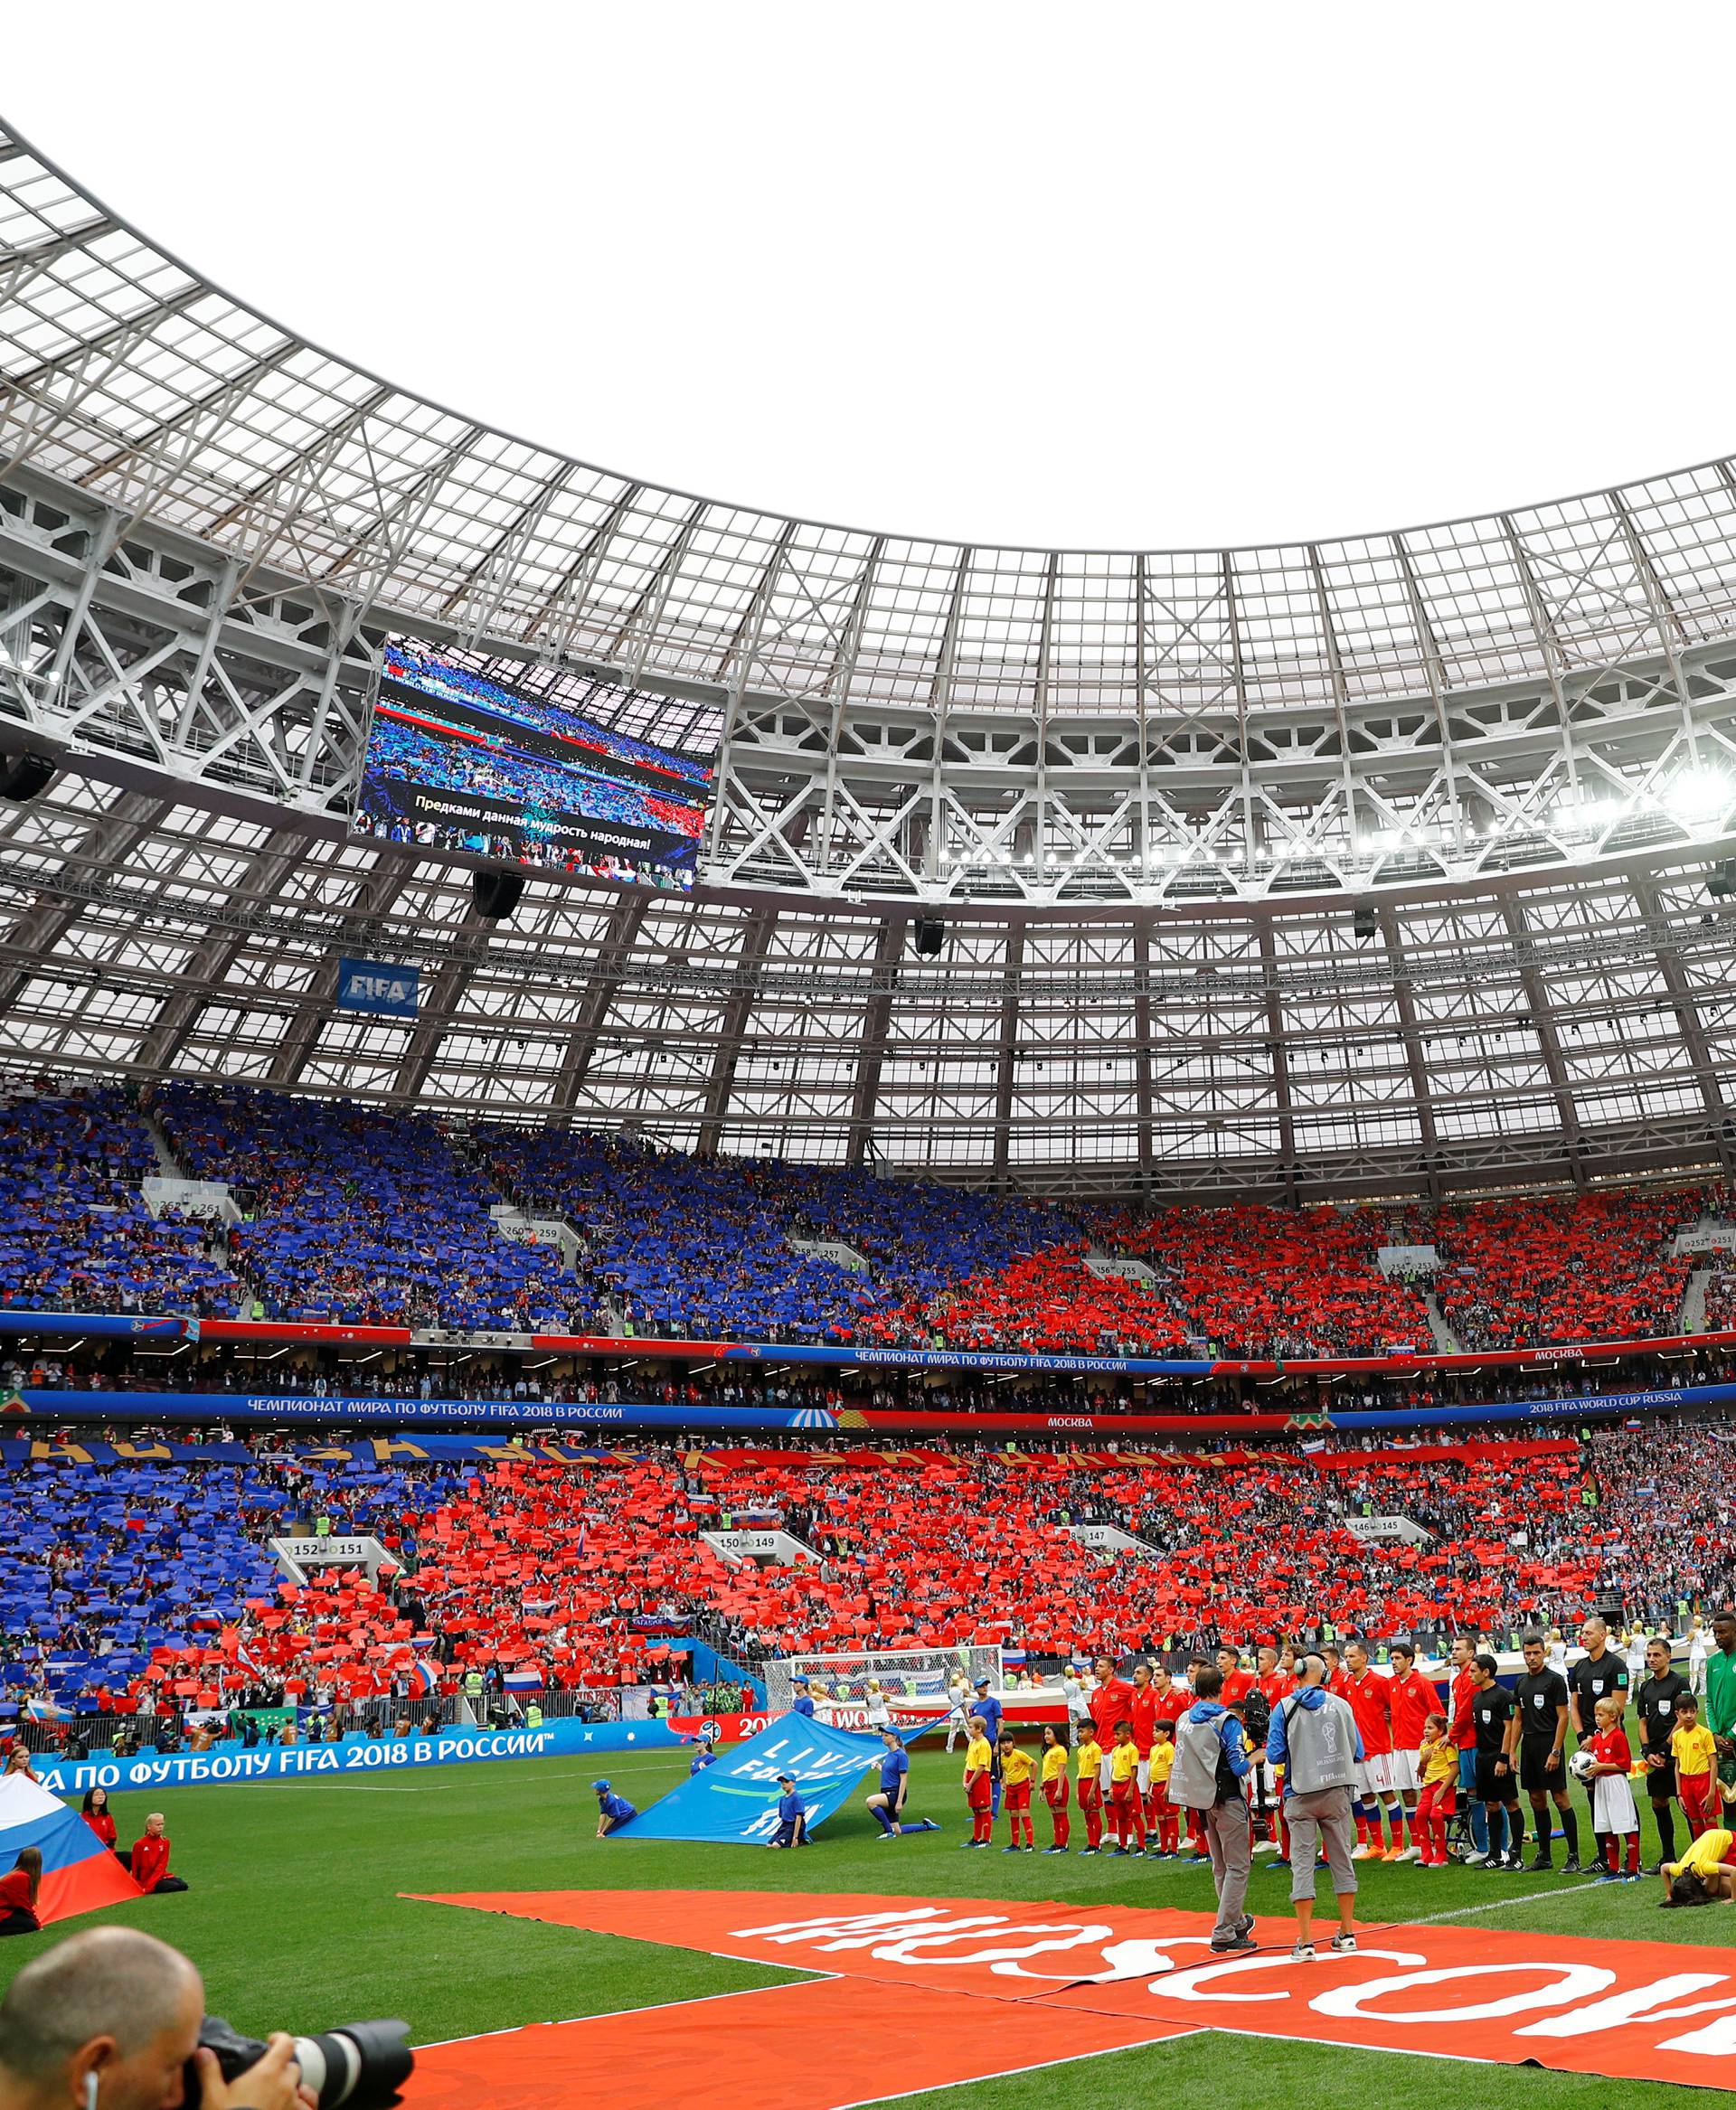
x: 1367, y: 867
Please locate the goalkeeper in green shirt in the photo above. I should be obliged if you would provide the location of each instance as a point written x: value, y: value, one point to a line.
x: 1721, y: 1692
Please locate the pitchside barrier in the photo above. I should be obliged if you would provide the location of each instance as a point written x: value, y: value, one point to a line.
x: 908, y: 1677
x: 412, y: 1420
x: 361, y: 1756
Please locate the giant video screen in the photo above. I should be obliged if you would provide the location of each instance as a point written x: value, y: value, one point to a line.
x: 455, y: 761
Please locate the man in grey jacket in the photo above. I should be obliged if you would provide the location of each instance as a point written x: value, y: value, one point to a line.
x: 1314, y: 1738
x: 1213, y: 1762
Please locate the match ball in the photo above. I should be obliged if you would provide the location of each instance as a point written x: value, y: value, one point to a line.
x: 1580, y: 1764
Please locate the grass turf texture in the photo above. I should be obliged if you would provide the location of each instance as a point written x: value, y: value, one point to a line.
x: 296, y: 1920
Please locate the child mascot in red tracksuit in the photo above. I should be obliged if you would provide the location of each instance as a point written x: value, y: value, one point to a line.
x: 1089, y: 1757
x: 1054, y: 1791
x: 1437, y: 1795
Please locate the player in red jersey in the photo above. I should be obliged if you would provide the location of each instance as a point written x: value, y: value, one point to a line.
x: 1370, y: 1694
x: 1414, y: 1699
x: 1275, y: 1684
x: 1331, y: 1656
x: 1108, y: 1705
x: 1141, y: 1718
x: 1170, y: 1702
x: 1236, y: 1683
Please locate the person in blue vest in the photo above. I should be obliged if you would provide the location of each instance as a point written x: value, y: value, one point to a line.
x: 792, y: 1816
x: 613, y: 1811
x: 705, y: 1756
x: 803, y: 1703
x: 887, y: 1801
x: 987, y: 1710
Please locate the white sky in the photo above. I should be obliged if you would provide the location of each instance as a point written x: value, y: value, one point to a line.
x: 1103, y: 276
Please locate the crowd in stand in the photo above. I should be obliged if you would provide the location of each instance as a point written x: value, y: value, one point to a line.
x: 363, y: 1216
x: 1049, y: 1303
x: 74, y: 1231
x: 1258, y: 1281
x: 917, y: 1237
x: 119, y: 1582
x: 358, y: 1218
x: 1591, y: 1267
x: 678, y: 1247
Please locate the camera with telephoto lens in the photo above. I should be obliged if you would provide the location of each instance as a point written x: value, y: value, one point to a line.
x: 360, y: 2064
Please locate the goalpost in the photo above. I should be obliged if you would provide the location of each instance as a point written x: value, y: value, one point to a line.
x: 910, y: 1678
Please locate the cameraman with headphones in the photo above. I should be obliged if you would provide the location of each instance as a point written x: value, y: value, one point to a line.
x: 109, y: 2019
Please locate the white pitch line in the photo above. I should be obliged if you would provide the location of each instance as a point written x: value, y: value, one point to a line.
x: 1494, y: 1905
x: 1038, y: 2066
x: 388, y: 1787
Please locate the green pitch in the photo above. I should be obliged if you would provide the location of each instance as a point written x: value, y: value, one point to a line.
x: 296, y: 1920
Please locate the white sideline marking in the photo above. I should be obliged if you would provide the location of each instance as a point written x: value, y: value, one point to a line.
x: 1494, y: 1905
x: 1038, y: 2066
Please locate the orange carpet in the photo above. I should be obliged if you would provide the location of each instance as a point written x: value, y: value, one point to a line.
x: 815, y: 2046
x: 1001, y: 1970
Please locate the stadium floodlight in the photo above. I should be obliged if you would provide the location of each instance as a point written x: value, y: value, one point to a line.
x: 1699, y: 794
x: 24, y: 776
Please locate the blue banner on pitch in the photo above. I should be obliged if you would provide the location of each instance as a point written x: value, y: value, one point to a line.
x: 379, y: 987
x: 735, y: 1802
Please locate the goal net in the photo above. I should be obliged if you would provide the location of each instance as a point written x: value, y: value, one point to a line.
x: 908, y: 1677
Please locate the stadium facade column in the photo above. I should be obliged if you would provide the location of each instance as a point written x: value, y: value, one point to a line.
x: 563, y: 608
x: 1280, y: 1054
x: 369, y: 911
x: 877, y: 1020
x: 437, y: 1013
x: 755, y: 940
x: 1008, y: 1050
x: 1661, y: 936
x: 1144, y: 1102
x: 604, y: 985
x: 30, y: 259
x: 99, y: 357
x: 179, y: 1013
x: 1399, y: 967
x: 1543, y: 1024
x: 478, y: 596
x: 44, y: 926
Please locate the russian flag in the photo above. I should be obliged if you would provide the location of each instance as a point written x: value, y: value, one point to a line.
x: 522, y: 1680
x: 420, y: 1678
x: 79, y: 1872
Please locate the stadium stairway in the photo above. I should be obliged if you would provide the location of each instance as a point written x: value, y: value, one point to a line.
x: 1446, y: 1341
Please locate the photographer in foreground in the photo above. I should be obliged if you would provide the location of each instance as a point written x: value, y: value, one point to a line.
x: 109, y: 2019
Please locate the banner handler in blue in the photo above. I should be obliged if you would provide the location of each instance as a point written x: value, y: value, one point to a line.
x: 613, y: 1811
x: 886, y: 1804
x: 738, y: 1801
x: 792, y: 1816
